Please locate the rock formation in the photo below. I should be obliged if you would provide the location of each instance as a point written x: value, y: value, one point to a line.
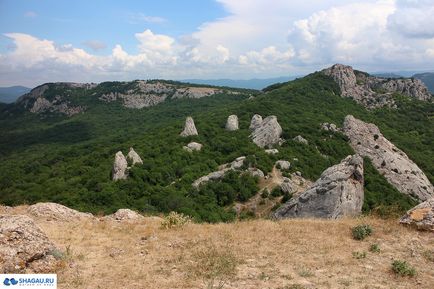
x: 267, y: 133
x: 134, y: 157
x: 232, y: 123
x: 300, y: 139
x: 255, y: 122
x: 374, y: 92
x: 337, y: 193
x: 284, y: 165
x: 189, y: 128
x: 271, y: 151
x: 421, y: 216
x: 401, y: 172
x: 120, y: 167
x: 329, y: 127
x: 193, y: 146
x: 254, y: 172
x: 57, y: 212
x: 24, y: 247
x: 125, y: 215
x: 286, y: 186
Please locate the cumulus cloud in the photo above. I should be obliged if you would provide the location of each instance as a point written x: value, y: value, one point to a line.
x: 95, y: 45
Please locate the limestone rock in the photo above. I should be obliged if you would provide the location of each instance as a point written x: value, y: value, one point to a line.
x: 401, y: 172
x: 53, y: 211
x: 125, y: 215
x: 254, y: 172
x: 272, y: 151
x: 24, y: 247
x: 374, y: 92
x: 134, y: 157
x: 255, y: 122
x: 237, y: 164
x: 286, y: 186
x: 284, y: 165
x: 189, y: 128
x: 193, y: 146
x: 300, y: 139
x: 421, y: 216
x: 120, y: 167
x: 329, y: 127
x: 267, y: 133
x: 232, y: 123
x: 337, y: 193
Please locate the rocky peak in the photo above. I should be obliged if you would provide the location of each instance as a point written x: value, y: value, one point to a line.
x: 266, y: 133
x: 134, y: 157
x: 120, y: 167
x: 232, y: 123
x: 189, y: 128
x: 401, y: 172
x: 337, y: 193
x: 374, y: 92
x: 255, y: 122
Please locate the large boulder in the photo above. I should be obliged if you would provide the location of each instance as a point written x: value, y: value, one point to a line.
x: 301, y: 140
x: 401, y: 172
x: 283, y: 165
x: 189, y: 128
x: 24, y: 247
x: 267, y: 133
x: 421, y: 216
x: 193, y: 146
x: 337, y: 193
x: 53, y: 211
x: 255, y: 122
x: 134, y: 157
x: 125, y: 215
x: 232, y: 123
x: 120, y: 167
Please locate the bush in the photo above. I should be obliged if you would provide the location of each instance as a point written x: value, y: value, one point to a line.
x: 360, y: 232
x: 359, y: 255
x: 175, y: 220
x: 286, y: 197
x: 265, y: 194
x: 374, y: 248
x: 276, y: 192
x: 402, y: 268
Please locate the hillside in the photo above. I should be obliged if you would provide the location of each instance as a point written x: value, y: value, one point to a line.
x: 49, y: 155
x: 289, y: 254
x: 10, y: 94
x: 427, y: 78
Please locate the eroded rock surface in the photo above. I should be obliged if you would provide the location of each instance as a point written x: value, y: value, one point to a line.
x: 255, y: 122
x: 120, y: 167
x: 421, y: 216
x: 401, y: 172
x: 284, y: 165
x: 24, y: 247
x: 134, y: 157
x: 267, y: 133
x: 337, y: 193
x: 232, y: 123
x: 189, y: 128
x: 58, y: 212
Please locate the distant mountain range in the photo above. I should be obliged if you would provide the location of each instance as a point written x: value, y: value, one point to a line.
x: 427, y: 78
x: 242, y: 83
x: 10, y: 94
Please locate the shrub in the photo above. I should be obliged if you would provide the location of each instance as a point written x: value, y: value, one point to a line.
x: 175, y: 220
x: 265, y: 193
x: 360, y: 232
x: 359, y: 255
x: 374, y: 248
x: 276, y: 192
x: 402, y: 268
x: 286, y: 197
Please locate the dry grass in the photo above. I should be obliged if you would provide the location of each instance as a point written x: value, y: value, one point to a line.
x: 251, y: 254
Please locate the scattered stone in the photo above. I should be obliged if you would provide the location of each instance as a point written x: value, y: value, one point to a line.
x: 125, y: 215
x: 300, y: 139
x: 232, y: 123
x: 255, y: 122
x: 134, y: 157
x: 283, y: 165
x: 329, y: 127
x: 271, y: 151
x: 267, y: 133
x: 189, y: 128
x: 120, y: 167
x: 193, y: 146
x: 401, y: 172
x: 421, y: 216
x: 57, y: 212
x: 24, y: 247
x: 337, y: 193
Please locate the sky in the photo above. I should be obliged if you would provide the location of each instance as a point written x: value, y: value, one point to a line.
x: 101, y: 40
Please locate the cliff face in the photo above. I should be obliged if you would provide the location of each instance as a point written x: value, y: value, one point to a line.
x: 374, y: 92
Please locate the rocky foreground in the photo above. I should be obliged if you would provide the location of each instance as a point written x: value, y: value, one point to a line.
x: 86, y: 251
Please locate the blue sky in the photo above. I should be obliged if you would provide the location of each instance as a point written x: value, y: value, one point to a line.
x: 95, y: 40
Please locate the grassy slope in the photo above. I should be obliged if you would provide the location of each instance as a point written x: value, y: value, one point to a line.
x: 69, y: 160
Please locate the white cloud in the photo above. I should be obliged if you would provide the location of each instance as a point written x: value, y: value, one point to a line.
x: 95, y: 45
x: 136, y: 18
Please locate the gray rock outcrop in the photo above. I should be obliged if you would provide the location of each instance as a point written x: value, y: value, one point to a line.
x: 337, y: 193
x: 329, y: 127
x: 267, y: 133
x: 401, y: 172
x: 193, y: 146
x: 232, y: 123
x: 300, y: 139
x: 56, y: 212
x: 120, y: 167
x: 125, y: 215
x: 189, y: 128
x: 374, y: 92
x: 286, y: 186
x: 255, y: 122
x: 254, y: 172
x: 283, y: 165
x: 271, y: 151
x: 421, y: 216
x: 24, y: 247
x: 134, y: 157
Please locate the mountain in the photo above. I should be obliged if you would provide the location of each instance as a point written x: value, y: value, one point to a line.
x: 388, y: 75
x: 427, y: 78
x: 10, y: 94
x: 60, y: 140
x: 255, y: 83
